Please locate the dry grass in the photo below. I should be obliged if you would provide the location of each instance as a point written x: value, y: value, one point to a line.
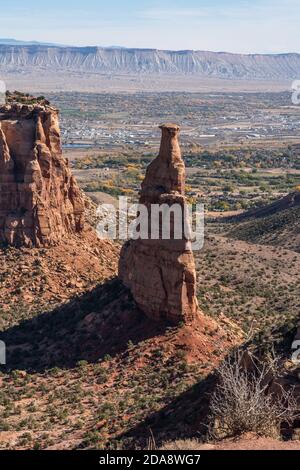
x: 243, y: 401
x: 183, y: 444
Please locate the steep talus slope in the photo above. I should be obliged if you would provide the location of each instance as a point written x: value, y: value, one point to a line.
x: 277, y: 224
x: 35, y: 280
x: 150, y: 61
x: 256, y: 286
x: 251, y: 271
x: 287, y: 202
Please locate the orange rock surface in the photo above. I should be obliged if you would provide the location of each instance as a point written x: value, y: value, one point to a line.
x: 161, y: 273
x: 40, y: 202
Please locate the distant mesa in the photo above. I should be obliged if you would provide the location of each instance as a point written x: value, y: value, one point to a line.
x: 16, y: 57
x: 40, y: 202
x: 161, y: 273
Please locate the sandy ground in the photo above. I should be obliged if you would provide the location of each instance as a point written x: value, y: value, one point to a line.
x: 246, y: 442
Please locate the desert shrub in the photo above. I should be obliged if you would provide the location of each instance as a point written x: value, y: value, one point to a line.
x: 243, y: 401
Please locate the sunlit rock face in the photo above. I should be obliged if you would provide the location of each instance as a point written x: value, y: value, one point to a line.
x: 161, y: 272
x: 40, y: 202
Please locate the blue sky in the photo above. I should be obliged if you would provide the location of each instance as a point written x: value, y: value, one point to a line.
x: 265, y: 26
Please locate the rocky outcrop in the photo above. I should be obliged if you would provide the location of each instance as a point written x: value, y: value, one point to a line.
x: 40, y: 202
x: 161, y: 272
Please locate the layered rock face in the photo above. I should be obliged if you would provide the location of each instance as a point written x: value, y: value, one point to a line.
x: 161, y: 272
x: 40, y: 202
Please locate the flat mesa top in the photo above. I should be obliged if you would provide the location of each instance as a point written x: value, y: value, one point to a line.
x: 19, y: 110
x: 170, y: 126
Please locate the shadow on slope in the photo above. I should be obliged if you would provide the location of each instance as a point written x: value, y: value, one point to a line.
x: 290, y: 201
x: 185, y: 417
x: 275, y: 224
x: 89, y: 327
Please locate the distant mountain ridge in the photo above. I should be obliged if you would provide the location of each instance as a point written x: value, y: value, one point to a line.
x: 16, y: 58
x: 17, y: 42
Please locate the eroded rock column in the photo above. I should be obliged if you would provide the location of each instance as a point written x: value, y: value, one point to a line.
x: 161, y: 273
x: 40, y: 202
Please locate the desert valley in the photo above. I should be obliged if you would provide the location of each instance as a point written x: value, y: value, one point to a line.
x: 149, y: 233
x: 122, y: 347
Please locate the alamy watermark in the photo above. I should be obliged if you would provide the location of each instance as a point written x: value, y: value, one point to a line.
x: 2, y: 92
x: 296, y: 92
x: 2, y: 353
x: 296, y: 353
x: 152, y: 222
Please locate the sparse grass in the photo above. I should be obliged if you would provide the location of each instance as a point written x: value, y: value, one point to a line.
x: 256, y: 286
x: 182, y: 444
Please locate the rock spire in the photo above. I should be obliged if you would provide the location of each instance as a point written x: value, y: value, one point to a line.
x: 161, y: 272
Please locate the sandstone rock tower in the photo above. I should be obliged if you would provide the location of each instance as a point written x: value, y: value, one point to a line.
x: 161, y: 273
x: 40, y: 202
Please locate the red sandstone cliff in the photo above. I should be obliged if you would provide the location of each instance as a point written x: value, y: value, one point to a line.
x: 40, y: 202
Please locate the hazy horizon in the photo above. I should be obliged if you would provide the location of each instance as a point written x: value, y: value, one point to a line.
x: 115, y: 46
x: 234, y: 26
